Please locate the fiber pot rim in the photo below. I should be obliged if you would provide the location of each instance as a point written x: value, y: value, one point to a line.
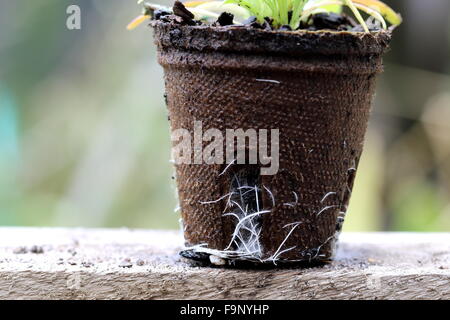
x: 244, y: 39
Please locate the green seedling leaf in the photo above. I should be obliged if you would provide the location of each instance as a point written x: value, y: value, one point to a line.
x: 387, y: 12
x: 335, y: 8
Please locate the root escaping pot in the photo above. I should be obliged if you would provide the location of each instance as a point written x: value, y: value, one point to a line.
x: 316, y: 88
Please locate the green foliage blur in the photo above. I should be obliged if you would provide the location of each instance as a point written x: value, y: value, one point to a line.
x: 84, y: 136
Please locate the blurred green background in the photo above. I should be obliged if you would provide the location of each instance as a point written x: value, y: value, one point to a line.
x: 84, y: 138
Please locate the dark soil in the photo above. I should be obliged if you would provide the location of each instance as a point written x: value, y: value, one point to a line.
x: 158, y: 14
x: 225, y: 19
x: 322, y: 21
x: 332, y: 21
x: 180, y: 10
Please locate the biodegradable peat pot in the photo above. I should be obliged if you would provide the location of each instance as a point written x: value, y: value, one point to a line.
x: 316, y: 88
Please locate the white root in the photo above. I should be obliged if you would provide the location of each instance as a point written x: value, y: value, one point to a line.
x: 227, y: 167
x: 218, y: 200
x: 268, y: 81
x: 327, y: 208
x: 327, y: 195
x: 277, y: 253
x: 292, y: 204
x: 320, y: 247
x: 271, y: 196
x: 243, y: 205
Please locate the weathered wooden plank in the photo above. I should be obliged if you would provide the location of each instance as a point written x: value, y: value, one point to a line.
x: 123, y: 264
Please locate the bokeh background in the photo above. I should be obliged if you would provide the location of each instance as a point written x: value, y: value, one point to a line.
x: 84, y: 137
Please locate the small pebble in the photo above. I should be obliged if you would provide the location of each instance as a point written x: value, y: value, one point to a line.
x: 217, y: 261
x: 125, y: 264
x: 140, y: 262
x: 20, y: 250
x: 285, y: 28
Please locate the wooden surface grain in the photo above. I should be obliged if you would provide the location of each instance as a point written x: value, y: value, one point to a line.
x: 124, y: 264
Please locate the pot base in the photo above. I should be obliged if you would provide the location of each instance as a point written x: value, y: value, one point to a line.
x: 203, y: 259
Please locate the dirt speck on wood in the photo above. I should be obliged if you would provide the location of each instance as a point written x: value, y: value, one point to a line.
x: 37, y: 249
x: 87, y: 264
x: 72, y: 262
x: 140, y: 262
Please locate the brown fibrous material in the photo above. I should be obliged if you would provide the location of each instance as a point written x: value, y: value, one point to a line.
x: 315, y: 87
